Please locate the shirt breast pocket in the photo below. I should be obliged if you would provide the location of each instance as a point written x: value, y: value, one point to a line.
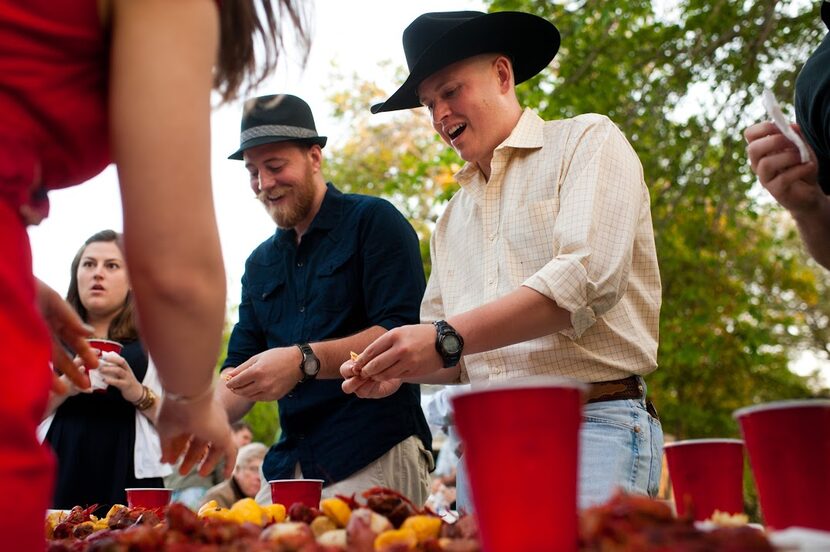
x: 529, y: 234
x: 337, y: 282
x: 266, y: 301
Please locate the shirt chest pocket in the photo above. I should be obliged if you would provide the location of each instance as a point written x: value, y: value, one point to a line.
x: 268, y: 300
x: 529, y: 234
x: 337, y: 285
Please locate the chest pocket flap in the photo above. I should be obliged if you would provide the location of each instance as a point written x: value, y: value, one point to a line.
x: 338, y: 280
x: 336, y: 261
x: 264, y: 297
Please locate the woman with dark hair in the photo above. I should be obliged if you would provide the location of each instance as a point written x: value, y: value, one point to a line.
x: 106, y: 442
x: 86, y: 83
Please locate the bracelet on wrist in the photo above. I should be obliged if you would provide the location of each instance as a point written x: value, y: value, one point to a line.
x: 147, y: 399
x: 189, y: 399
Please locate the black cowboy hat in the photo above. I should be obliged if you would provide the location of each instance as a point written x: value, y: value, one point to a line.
x: 276, y: 118
x: 436, y: 40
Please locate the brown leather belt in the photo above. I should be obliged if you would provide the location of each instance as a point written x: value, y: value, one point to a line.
x: 631, y: 387
x: 616, y: 390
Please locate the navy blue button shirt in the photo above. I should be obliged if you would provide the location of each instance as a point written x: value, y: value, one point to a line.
x: 357, y: 266
x: 812, y: 102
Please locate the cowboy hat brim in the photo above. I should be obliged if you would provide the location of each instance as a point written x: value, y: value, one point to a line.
x: 253, y: 142
x: 530, y: 41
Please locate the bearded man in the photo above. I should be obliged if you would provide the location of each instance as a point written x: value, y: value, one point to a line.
x: 341, y: 270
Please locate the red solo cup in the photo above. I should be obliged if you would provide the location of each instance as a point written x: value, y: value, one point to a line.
x: 289, y: 491
x: 706, y: 475
x: 104, y: 346
x: 788, y: 443
x: 155, y: 499
x: 528, y: 427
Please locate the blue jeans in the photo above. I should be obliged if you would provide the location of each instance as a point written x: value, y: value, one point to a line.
x: 620, y: 446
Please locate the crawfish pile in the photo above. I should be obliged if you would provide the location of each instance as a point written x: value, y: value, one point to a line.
x: 384, y: 521
x: 353, y: 527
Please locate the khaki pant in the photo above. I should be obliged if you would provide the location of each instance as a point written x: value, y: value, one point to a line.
x: 404, y: 468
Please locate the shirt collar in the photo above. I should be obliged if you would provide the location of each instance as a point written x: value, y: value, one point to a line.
x: 528, y: 134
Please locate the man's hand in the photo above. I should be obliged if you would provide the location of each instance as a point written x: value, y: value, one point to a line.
x: 777, y: 163
x: 366, y: 388
x: 406, y: 352
x: 268, y: 376
x: 66, y: 327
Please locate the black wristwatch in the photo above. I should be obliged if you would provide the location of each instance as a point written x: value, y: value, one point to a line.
x: 448, y: 343
x: 310, y: 365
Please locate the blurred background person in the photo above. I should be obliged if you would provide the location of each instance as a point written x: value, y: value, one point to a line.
x: 105, y: 441
x: 244, y: 483
x: 190, y: 488
x: 242, y: 433
x: 439, y: 413
x: 83, y: 84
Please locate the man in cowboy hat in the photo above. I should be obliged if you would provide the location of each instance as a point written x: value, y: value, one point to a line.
x: 340, y: 270
x: 544, y: 262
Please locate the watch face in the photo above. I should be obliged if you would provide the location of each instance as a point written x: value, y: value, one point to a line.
x: 450, y: 344
x: 310, y: 366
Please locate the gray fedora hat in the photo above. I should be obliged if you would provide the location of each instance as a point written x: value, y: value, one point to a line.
x: 276, y: 118
x: 435, y: 40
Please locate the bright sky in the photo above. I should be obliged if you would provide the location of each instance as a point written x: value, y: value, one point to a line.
x: 356, y: 35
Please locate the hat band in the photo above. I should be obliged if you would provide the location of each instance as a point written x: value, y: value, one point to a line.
x: 276, y: 130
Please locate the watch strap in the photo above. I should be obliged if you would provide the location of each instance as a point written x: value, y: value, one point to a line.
x: 443, y: 329
x: 307, y: 352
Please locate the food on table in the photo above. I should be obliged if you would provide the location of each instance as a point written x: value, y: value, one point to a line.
x: 424, y: 527
x: 725, y: 519
x: 628, y: 523
x: 337, y: 510
x: 383, y: 521
x: 396, y: 540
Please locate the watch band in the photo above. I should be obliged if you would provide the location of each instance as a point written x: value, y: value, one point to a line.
x: 308, y: 353
x: 442, y: 331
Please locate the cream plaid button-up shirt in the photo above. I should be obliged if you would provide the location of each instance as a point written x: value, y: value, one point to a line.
x: 566, y: 213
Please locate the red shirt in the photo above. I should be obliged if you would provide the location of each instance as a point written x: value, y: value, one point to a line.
x: 53, y: 95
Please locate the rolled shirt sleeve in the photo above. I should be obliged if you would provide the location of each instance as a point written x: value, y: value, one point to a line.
x: 601, y: 194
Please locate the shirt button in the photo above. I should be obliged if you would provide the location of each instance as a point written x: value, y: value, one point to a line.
x: 299, y: 264
x: 492, y: 237
x: 302, y: 308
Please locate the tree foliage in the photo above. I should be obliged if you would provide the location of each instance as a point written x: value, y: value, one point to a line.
x: 682, y: 81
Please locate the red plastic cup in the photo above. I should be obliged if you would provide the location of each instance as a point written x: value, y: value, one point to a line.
x: 521, y: 443
x: 706, y: 475
x: 788, y: 443
x: 289, y: 491
x: 104, y: 346
x: 155, y: 499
